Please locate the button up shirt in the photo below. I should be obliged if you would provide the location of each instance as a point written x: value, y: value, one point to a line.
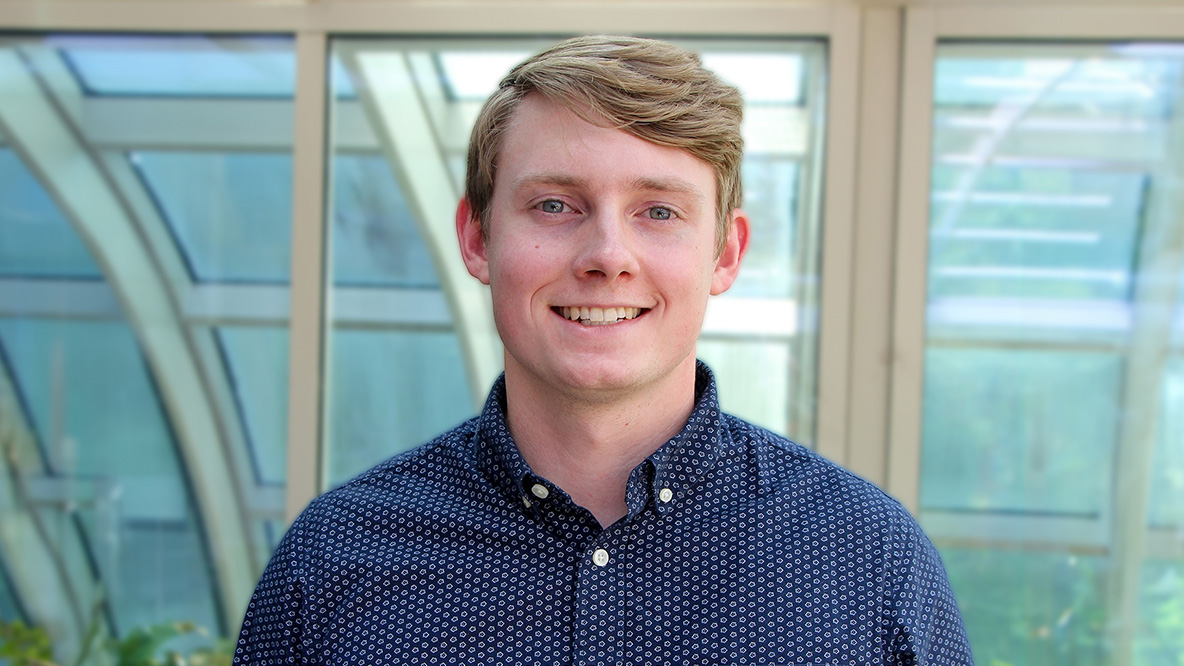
x: 739, y: 547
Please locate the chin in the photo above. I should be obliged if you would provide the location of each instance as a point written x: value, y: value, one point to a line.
x: 613, y: 382
x: 601, y: 380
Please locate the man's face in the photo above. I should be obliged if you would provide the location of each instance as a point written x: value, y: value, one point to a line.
x: 599, y: 254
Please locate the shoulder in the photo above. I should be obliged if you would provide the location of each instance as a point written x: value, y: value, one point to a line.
x: 816, y: 488
x: 425, y: 474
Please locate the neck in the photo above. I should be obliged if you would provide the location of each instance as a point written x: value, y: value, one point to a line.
x: 589, y: 447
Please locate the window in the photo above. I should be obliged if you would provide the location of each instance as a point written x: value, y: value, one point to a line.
x: 144, y: 269
x: 1050, y: 465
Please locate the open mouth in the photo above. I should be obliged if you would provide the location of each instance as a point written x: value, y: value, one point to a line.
x: 596, y: 316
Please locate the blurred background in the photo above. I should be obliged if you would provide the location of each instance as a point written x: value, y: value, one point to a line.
x: 228, y: 282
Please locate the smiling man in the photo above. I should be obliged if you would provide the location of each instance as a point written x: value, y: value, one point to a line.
x: 601, y: 509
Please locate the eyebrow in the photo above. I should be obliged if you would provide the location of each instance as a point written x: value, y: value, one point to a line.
x: 541, y: 178
x: 675, y: 185
x: 643, y: 184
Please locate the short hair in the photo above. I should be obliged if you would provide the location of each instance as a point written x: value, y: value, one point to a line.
x: 651, y: 89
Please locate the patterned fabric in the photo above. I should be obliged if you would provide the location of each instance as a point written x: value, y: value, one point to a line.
x: 739, y: 547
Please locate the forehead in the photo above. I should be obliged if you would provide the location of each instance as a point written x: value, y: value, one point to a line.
x: 548, y: 141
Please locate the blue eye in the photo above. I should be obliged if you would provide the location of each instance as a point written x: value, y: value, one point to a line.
x: 552, y: 206
x: 660, y: 213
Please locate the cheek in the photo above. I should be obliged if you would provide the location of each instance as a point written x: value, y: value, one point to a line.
x: 690, y: 276
x: 516, y: 277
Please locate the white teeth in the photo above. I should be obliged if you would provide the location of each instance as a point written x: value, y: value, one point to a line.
x: 594, y: 316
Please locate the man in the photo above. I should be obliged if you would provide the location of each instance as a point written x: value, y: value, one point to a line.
x: 601, y: 509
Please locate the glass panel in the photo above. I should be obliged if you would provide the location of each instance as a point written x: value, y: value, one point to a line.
x: 471, y: 75
x: 1053, y: 387
x: 9, y: 610
x: 764, y: 398
x: 147, y: 410
x: 1162, y: 602
x: 375, y: 241
x: 236, y: 226
x: 118, y: 440
x: 383, y: 239
x: 184, y: 66
x: 1005, y: 430
x: 1030, y: 608
x: 376, y: 409
x: 256, y: 361
x: 1033, y: 233
x: 1167, y: 470
x: 35, y: 240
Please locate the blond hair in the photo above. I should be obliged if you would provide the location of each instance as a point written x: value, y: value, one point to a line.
x: 651, y: 89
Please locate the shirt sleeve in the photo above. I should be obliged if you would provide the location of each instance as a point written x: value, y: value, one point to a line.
x: 273, y: 625
x: 925, y: 626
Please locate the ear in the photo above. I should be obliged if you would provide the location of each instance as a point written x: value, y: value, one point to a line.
x: 472, y: 243
x: 727, y: 264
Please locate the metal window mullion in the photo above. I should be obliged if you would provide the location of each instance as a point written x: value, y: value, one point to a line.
x: 871, y: 299
x: 306, y: 361
x: 1121, y: 21
x: 834, y: 328
x: 911, y: 257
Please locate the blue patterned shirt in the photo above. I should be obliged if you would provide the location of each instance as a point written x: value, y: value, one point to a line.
x: 739, y: 547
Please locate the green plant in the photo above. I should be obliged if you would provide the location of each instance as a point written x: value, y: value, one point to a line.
x: 145, y: 646
x: 24, y: 646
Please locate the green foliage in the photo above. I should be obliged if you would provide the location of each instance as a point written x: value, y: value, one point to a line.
x: 145, y: 646
x: 1162, y: 594
x: 24, y: 646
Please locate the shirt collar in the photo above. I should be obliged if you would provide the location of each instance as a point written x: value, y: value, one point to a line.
x: 678, y: 465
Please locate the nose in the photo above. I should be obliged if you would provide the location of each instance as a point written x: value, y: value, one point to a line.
x: 607, y: 248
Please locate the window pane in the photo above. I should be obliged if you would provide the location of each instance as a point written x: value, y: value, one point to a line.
x: 142, y: 384
x: 35, y: 240
x: 375, y: 241
x: 256, y: 363
x: 1030, y: 608
x: 1162, y: 601
x: 187, y: 66
x: 9, y: 610
x: 117, y: 439
x: 1052, y: 455
x: 236, y: 226
x: 1167, y: 471
x: 1006, y: 430
x: 376, y: 409
x: 401, y: 117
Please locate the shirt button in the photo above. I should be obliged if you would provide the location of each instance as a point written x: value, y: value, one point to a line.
x: 665, y: 494
x: 526, y: 501
x: 600, y: 557
x: 540, y: 491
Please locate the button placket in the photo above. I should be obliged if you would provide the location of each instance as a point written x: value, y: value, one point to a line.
x: 601, y: 598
